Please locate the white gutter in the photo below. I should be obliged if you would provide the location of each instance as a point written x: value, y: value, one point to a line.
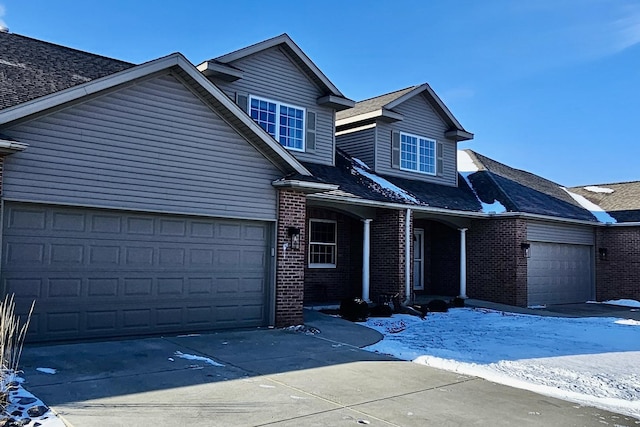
x: 304, y: 185
x: 407, y: 256
x: 12, y: 146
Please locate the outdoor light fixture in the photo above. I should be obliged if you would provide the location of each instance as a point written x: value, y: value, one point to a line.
x: 294, y: 237
x: 526, y: 249
x: 603, y: 253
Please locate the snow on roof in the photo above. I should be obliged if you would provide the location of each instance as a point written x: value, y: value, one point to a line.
x: 600, y: 214
x: 362, y: 168
x: 495, y: 207
x: 595, y: 189
x: 465, y: 163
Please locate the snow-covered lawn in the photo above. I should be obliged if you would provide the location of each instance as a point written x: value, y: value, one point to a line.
x: 591, y: 361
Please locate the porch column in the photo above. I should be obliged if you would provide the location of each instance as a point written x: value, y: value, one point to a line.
x: 366, y: 255
x: 463, y: 263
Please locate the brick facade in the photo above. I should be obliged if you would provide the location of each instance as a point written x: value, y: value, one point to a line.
x: 290, y: 262
x: 345, y: 280
x: 618, y: 276
x: 496, y: 265
x: 388, y: 253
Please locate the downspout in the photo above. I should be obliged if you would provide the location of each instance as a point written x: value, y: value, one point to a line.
x: 366, y: 255
x: 407, y: 255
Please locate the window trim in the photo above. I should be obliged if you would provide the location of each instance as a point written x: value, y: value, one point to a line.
x: 334, y: 245
x: 435, y: 154
x: 277, y: 124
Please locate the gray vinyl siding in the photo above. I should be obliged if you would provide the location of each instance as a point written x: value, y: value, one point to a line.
x: 419, y: 119
x: 560, y: 233
x: 152, y: 146
x: 271, y: 74
x: 359, y: 144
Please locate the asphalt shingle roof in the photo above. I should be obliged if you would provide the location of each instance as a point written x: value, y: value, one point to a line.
x: 355, y: 184
x: 623, y: 203
x: 521, y: 191
x: 32, y: 68
x: 373, y: 104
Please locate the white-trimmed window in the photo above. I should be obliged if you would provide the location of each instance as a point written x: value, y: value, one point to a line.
x: 284, y: 122
x: 417, y: 153
x: 322, y: 243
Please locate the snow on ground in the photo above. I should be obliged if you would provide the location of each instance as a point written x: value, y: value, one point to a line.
x: 47, y: 370
x: 600, y: 214
x: 198, y: 358
x: 591, y: 361
x: 23, y: 406
x: 620, y: 302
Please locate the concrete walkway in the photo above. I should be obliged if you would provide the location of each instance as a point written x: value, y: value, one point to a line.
x: 280, y: 378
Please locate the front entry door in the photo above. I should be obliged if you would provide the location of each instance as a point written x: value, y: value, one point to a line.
x: 418, y: 259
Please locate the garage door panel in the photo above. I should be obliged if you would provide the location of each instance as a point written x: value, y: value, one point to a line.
x: 559, y: 273
x: 98, y: 273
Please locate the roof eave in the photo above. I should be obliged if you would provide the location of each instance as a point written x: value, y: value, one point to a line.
x: 11, y: 147
x: 304, y: 186
x: 459, y: 135
x: 220, y: 71
x: 338, y: 103
x: 381, y: 114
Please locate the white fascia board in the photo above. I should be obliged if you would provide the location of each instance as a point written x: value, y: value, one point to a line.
x: 304, y: 186
x: 241, y: 115
x: 225, y: 72
x: 382, y: 113
x: 356, y: 129
x: 76, y: 92
x: 12, y: 146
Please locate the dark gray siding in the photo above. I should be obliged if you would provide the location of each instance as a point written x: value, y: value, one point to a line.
x: 272, y: 75
x: 151, y: 146
x: 419, y: 119
x: 560, y: 233
x: 359, y: 144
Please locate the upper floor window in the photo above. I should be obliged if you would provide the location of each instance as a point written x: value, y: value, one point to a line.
x: 417, y: 153
x: 284, y: 122
x: 322, y: 243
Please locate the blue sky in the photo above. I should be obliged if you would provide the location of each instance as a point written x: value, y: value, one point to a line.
x: 549, y: 86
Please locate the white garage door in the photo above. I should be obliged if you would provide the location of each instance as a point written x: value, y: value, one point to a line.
x: 99, y: 273
x: 559, y: 273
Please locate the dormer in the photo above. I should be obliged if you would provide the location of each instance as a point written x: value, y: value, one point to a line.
x: 409, y: 133
x: 278, y: 86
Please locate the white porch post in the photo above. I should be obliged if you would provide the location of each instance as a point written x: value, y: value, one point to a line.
x: 366, y: 255
x: 463, y: 263
x: 407, y: 257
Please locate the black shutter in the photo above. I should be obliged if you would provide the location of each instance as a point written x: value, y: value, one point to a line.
x: 242, y: 101
x: 311, y: 131
x: 395, y: 149
x: 439, y: 161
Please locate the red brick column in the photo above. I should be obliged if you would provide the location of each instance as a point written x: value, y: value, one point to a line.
x: 290, y: 262
x: 496, y: 265
x: 388, y: 253
x: 618, y: 276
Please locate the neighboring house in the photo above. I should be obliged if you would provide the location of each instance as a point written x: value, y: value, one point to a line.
x: 139, y: 199
x: 618, y: 257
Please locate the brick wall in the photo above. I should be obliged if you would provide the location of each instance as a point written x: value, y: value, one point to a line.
x: 290, y: 262
x: 496, y: 266
x: 387, y: 253
x: 344, y: 281
x: 618, y: 277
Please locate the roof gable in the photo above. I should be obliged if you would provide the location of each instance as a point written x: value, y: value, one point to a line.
x: 293, y: 51
x: 31, y: 68
x: 189, y: 75
x: 382, y: 107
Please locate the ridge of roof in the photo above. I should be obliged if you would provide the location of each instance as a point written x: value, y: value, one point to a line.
x: 373, y: 103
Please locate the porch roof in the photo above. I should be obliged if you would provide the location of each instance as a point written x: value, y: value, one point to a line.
x: 356, y: 180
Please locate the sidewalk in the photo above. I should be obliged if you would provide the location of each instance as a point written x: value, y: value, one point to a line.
x: 277, y: 377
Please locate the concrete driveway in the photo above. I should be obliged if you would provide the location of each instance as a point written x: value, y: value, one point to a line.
x: 277, y: 377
